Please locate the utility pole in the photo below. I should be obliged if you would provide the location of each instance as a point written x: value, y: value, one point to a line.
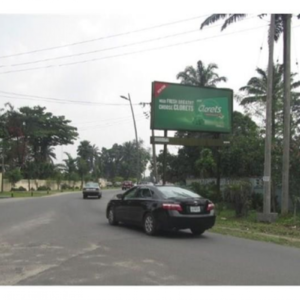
x: 266, y: 216
x: 287, y: 117
x: 136, y: 139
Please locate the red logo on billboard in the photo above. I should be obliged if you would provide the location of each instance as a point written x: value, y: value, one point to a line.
x: 159, y: 87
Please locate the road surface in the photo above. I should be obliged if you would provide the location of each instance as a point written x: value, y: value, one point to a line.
x: 65, y: 240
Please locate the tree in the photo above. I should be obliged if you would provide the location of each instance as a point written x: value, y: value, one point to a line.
x: 282, y: 25
x: 255, y: 98
x: 201, y: 76
x: 14, y: 176
x: 204, y: 77
x: 31, y: 135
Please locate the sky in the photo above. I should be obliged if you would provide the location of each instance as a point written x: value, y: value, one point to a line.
x: 133, y: 43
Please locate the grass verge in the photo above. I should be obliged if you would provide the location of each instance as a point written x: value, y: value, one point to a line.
x: 31, y: 194
x: 285, y: 231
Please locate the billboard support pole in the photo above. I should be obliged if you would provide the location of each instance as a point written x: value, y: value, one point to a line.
x: 165, y: 159
x: 154, y: 159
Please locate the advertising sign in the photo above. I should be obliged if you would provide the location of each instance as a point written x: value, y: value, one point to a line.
x: 191, y: 108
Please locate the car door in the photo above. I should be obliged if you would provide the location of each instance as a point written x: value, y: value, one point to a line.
x: 122, y: 211
x: 139, y: 204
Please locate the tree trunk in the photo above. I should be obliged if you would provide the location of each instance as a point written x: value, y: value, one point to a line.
x: 286, y: 118
x: 268, y: 138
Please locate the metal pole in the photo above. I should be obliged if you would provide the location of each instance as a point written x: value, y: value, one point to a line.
x: 2, y: 179
x: 2, y: 162
x: 137, y: 142
x: 287, y: 117
x: 154, y: 159
x: 268, y: 138
x: 165, y: 159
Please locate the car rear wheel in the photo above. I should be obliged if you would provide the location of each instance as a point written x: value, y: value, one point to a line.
x: 150, y: 225
x: 197, y: 231
x: 112, y: 217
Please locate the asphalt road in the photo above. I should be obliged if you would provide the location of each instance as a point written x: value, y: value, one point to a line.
x: 65, y: 240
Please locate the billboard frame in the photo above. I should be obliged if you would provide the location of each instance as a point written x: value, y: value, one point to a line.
x: 196, y: 87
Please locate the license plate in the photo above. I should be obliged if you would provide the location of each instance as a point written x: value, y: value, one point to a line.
x: 195, y: 209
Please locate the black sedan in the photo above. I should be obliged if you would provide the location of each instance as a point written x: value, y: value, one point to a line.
x: 91, y: 189
x: 162, y: 208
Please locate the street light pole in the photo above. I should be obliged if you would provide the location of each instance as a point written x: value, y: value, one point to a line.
x: 136, y: 138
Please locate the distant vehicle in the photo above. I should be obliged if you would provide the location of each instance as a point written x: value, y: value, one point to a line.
x: 127, y: 185
x: 162, y: 208
x: 91, y: 189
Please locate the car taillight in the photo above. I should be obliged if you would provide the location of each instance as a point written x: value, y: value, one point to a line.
x: 210, y: 206
x: 170, y: 206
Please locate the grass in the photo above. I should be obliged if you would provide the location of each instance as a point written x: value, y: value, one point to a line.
x: 285, y: 231
x: 31, y: 194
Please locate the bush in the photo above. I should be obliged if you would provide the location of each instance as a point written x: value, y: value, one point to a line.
x: 209, y: 191
x: 43, y: 188
x: 76, y: 187
x: 65, y: 186
x: 257, y: 201
x: 239, y: 194
x: 32, y: 189
x: 19, y: 189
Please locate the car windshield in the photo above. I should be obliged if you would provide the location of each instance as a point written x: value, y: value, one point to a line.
x: 177, y: 192
x: 92, y: 184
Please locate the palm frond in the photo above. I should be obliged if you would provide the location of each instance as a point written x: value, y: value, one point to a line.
x: 212, y: 19
x: 279, y: 19
x: 232, y: 19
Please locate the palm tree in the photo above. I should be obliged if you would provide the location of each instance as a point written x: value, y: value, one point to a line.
x: 256, y: 96
x: 201, y: 76
x: 48, y: 154
x: 282, y: 25
x: 70, y: 167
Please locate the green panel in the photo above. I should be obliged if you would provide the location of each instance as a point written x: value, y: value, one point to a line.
x: 182, y: 107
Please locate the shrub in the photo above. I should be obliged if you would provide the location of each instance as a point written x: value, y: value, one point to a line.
x: 257, y: 201
x: 43, y: 188
x: 239, y: 194
x: 32, y: 189
x: 65, y: 186
x: 19, y: 189
x: 209, y: 191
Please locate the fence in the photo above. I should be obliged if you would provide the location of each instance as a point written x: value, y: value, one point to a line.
x: 35, y: 183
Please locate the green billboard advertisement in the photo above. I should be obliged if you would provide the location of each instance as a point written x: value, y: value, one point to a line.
x: 191, y: 108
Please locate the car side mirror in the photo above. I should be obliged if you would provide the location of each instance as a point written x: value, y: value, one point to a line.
x: 120, y: 196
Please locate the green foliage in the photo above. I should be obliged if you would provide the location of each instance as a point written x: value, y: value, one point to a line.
x: 239, y: 194
x: 43, y: 188
x: 30, y: 137
x: 257, y: 201
x: 14, y: 176
x: 65, y: 186
x: 206, y: 163
x: 209, y: 191
x: 19, y: 189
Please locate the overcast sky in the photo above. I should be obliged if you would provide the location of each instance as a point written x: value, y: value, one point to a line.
x: 116, y: 67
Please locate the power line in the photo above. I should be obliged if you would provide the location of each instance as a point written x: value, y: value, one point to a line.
x: 57, y: 100
x: 104, y: 37
x: 108, y: 120
x: 107, y: 49
x: 99, y: 50
x: 134, y: 52
x: 109, y: 124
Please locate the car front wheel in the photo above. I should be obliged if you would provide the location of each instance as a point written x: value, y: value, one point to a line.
x: 150, y: 226
x: 112, y: 217
x: 197, y: 231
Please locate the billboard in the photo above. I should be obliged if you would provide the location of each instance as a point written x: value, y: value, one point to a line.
x: 191, y: 108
